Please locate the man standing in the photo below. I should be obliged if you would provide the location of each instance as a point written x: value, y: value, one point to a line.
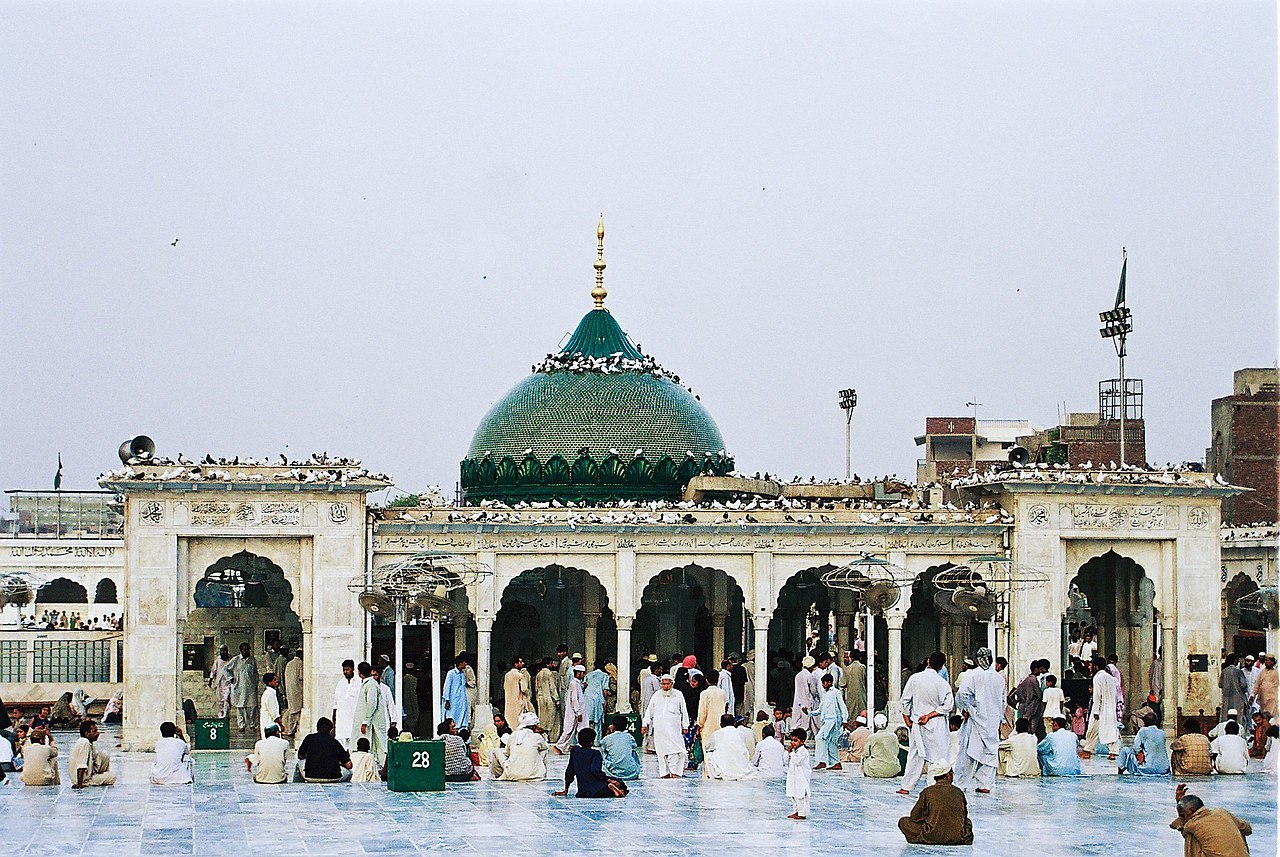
x: 565, y: 668
x: 832, y: 717
x: 725, y: 683
x: 88, y: 765
x: 244, y: 687
x: 712, y: 706
x: 855, y: 677
x: 575, y: 710
x: 370, y: 714
x: 515, y: 691
x: 292, y: 695
x: 220, y: 681
x: 741, y: 678
x: 1235, y: 687
x: 1103, y: 726
x: 456, y: 705
x: 980, y: 701
x: 665, y: 718
x: 345, y: 695
x: 649, y: 687
x: 1028, y: 698
x: 926, y: 705
x: 547, y: 692
x: 409, y: 704
x: 1267, y: 687
x: 269, y: 707
x: 804, y: 702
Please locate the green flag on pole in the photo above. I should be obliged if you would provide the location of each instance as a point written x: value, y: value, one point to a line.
x: 1123, y: 270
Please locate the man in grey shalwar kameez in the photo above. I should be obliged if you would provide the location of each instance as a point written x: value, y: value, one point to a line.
x: 243, y: 671
x: 371, y: 714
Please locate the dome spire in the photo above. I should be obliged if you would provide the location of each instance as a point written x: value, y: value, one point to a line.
x: 599, y: 293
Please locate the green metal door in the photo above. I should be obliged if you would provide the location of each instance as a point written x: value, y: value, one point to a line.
x: 415, y: 766
x: 213, y: 733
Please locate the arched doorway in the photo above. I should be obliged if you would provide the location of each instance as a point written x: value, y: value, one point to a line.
x: 694, y: 610
x: 240, y: 598
x: 61, y: 590
x: 1244, y: 631
x: 543, y: 607
x: 105, y: 593
x: 804, y: 620
x: 1112, y: 598
x: 927, y: 629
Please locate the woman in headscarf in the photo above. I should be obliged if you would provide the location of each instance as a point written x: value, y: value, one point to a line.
x: 611, y: 695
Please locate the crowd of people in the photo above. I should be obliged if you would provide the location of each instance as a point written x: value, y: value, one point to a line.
x: 956, y: 737
x: 66, y: 620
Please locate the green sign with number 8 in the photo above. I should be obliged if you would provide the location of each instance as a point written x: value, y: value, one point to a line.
x: 213, y: 733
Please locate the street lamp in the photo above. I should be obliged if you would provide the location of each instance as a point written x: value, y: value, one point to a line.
x: 1117, y: 324
x: 848, y: 401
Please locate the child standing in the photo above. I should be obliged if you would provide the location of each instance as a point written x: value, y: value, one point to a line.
x: 798, y: 776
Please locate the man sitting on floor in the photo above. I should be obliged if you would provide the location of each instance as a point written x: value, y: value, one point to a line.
x: 1058, y: 751
x: 1208, y: 831
x: 172, y: 766
x: 940, y: 816
x: 1018, y: 752
x: 1189, y: 752
x: 321, y: 759
x: 40, y: 761
x: 522, y: 756
x: 268, y: 755
x: 457, y: 757
x: 1230, y: 752
x: 88, y: 765
x: 586, y: 765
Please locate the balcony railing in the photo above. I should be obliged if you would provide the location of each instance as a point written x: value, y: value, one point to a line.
x: 63, y: 515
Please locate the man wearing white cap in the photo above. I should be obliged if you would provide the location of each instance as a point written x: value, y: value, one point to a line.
x: 940, y: 816
x: 1231, y: 716
x: 926, y: 705
x: 880, y: 755
x: 523, y: 754
x: 805, y: 701
x: 857, y: 740
x: 980, y: 700
x: 665, y: 718
x: 575, y: 709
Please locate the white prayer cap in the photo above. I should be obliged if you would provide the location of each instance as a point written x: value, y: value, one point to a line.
x: 528, y: 719
x: 653, y: 659
x: 666, y: 677
x: 862, y: 718
x: 576, y: 656
x: 579, y: 668
x: 1232, y: 712
x: 807, y: 662
x: 939, y: 771
x: 881, y: 721
x: 386, y: 658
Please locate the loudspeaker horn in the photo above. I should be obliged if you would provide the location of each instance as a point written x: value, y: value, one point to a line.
x: 138, y: 450
x: 1019, y: 455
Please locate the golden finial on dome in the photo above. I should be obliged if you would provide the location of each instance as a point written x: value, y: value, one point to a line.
x: 599, y: 293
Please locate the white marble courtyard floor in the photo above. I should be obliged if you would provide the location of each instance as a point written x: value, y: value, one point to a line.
x: 226, y: 813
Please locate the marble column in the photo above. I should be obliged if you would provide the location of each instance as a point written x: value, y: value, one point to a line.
x: 484, y: 652
x: 624, y: 664
x: 460, y: 633
x: 589, y: 648
x: 843, y: 622
x: 760, y: 681
x: 1169, y: 653
x: 717, y: 639
x: 894, y: 623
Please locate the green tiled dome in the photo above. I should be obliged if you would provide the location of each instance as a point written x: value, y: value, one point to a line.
x: 592, y: 424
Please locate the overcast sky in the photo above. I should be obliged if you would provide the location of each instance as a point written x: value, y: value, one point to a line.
x: 386, y: 212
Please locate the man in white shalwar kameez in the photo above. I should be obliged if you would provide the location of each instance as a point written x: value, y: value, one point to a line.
x: 371, y: 714
x: 1103, y: 726
x: 727, y: 756
x: 243, y: 670
x: 980, y: 699
x: 926, y: 707
x: 220, y: 681
x: 269, y: 706
x: 524, y: 755
x: 725, y: 683
x: 832, y: 716
x: 804, y: 704
x: 293, y: 678
x: 345, y: 695
x: 575, y: 710
x: 665, y: 718
x: 391, y: 710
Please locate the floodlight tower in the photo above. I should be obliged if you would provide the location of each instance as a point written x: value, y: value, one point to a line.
x: 1117, y: 324
x: 848, y: 401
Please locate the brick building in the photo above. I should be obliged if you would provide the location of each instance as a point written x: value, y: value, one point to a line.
x: 1245, y: 449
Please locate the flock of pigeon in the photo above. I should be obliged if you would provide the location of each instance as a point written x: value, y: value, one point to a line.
x: 613, y: 364
x: 318, y: 469
x: 1087, y: 474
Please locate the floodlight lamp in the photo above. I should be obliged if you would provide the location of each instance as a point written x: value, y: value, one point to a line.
x: 848, y: 399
